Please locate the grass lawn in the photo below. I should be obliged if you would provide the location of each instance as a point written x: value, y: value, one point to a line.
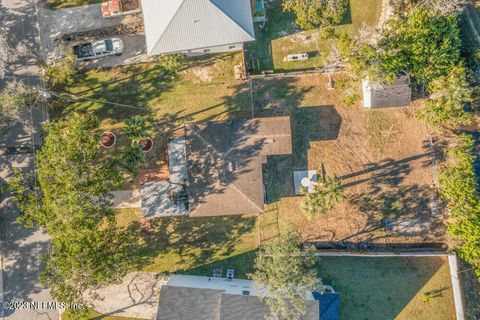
x: 192, y: 245
x: 414, y: 288
x: 281, y: 37
x: 390, y: 288
x: 62, y: 4
x: 371, y: 287
x: 204, y: 90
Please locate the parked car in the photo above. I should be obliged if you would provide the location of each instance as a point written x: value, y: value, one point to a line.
x: 98, y: 49
x: 114, y: 8
x: 296, y: 57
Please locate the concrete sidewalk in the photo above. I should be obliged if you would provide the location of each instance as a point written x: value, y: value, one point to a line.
x: 126, y: 199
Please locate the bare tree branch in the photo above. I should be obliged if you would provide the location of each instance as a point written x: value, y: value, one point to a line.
x: 445, y: 7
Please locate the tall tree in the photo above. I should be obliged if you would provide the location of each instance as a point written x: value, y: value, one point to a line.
x: 285, y: 273
x: 424, y: 44
x: 432, y: 43
x: 326, y: 195
x: 376, y: 55
x: 311, y: 14
x: 72, y: 201
x: 448, y: 97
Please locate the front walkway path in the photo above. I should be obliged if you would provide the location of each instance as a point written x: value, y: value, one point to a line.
x: 126, y: 199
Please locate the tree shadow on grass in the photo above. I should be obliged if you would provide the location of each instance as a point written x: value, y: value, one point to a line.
x: 130, y: 95
x: 386, y: 285
x: 243, y: 264
x: 148, y: 89
x: 180, y: 243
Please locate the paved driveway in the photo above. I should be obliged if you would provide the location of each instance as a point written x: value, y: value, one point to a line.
x: 135, y: 52
x: 56, y: 23
x: 137, y: 296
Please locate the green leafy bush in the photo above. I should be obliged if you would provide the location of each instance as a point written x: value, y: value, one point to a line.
x: 458, y: 186
x: 311, y: 14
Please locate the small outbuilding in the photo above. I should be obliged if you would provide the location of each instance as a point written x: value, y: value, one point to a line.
x: 397, y: 94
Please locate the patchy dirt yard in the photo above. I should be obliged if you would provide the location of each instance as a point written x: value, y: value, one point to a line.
x: 382, y: 156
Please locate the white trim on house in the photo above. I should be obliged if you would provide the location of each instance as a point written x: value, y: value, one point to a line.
x: 234, y: 286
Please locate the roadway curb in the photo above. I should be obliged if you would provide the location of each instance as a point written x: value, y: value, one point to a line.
x: 457, y: 289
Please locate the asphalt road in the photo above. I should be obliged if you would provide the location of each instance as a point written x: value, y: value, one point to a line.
x: 21, y: 248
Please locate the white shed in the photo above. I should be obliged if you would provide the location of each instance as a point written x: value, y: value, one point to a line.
x: 397, y: 94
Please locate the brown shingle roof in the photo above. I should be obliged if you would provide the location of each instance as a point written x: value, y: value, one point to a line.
x: 225, y: 163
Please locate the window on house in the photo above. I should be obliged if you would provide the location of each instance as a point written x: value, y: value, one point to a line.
x: 206, y: 50
x: 232, y: 47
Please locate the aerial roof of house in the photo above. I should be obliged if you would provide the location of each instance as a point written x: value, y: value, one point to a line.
x: 183, y: 303
x: 182, y: 25
x: 396, y: 94
x: 224, y: 163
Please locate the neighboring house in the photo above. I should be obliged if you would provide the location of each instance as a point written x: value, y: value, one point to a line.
x: 196, y: 26
x: 208, y: 298
x: 215, y: 168
x: 397, y: 94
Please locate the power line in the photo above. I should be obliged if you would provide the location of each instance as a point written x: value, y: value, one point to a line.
x: 74, y: 98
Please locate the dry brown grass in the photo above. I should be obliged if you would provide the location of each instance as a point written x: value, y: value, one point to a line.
x: 382, y: 157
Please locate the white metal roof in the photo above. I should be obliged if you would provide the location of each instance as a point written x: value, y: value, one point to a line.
x: 180, y: 25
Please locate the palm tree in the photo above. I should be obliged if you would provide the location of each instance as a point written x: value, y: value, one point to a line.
x: 132, y: 157
x: 137, y: 128
x: 324, y: 197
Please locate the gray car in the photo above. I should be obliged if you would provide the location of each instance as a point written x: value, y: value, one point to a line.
x: 99, y: 49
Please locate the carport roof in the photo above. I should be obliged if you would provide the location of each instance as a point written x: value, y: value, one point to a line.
x: 182, y: 25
